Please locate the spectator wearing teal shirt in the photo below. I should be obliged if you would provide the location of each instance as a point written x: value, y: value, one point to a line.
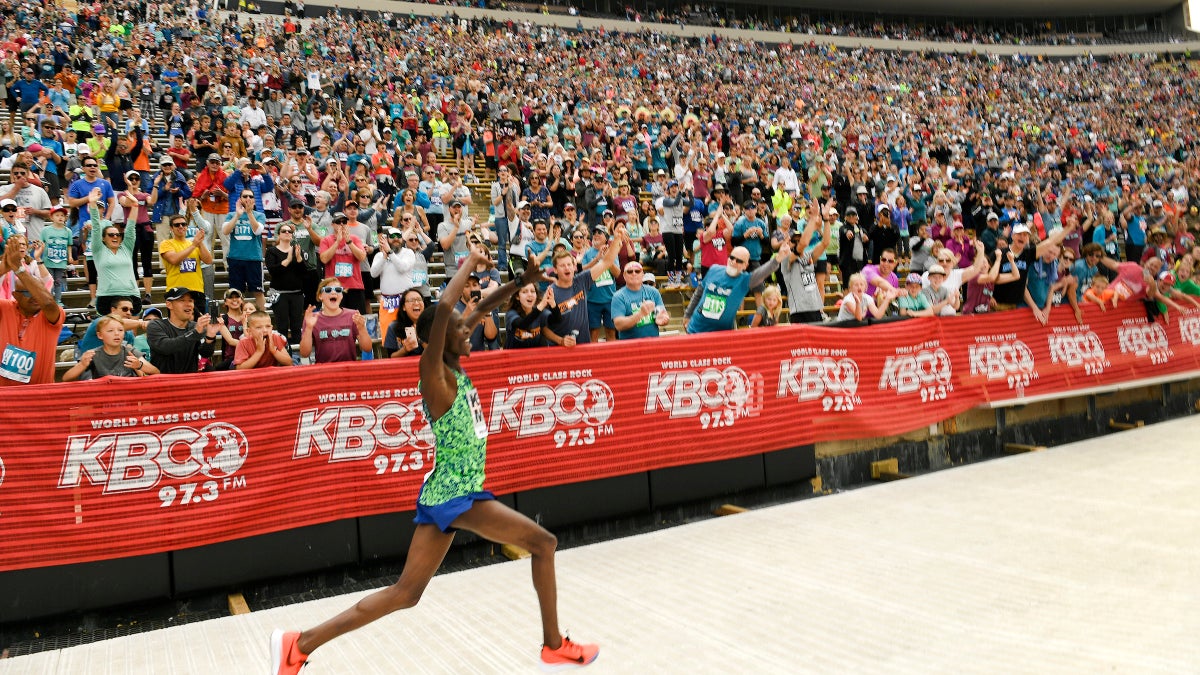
x: 637, y: 308
x: 716, y: 302
x: 600, y: 295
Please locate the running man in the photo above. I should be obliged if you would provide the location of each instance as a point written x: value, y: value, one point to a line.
x: 452, y: 497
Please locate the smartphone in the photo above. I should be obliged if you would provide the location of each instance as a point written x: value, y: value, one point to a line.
x: 476, y: 295
x: 410, y: 332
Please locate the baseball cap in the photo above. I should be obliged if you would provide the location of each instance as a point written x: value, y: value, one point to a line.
x: 913, y: 279
x: 992, y: 216
x: 851, y: 211
x: 881, y: 208
x: 395, y: 231
x: 34, y: 148
x: 522, y: 204
x: 83, y: 149
x: 1157, y: 203
x: 862, y: 190
x: 230, y: 292
x: 178, y: 293
x: 133, y: 174
x: 1167, y: 276
x: 934, y: 269
x: 455, y: 203
x: 340, y: 215
x: 151, y: 310
x: 7, y: 202
x: 957, y: 225
x: 59, y: 207
x: 1021, y: 229
x: 214, y: 157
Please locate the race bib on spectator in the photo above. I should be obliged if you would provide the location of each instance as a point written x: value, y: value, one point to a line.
x: 343, y: 270
x: 17, y: 364
x: 390, y: 303
x: 459, y: 257
x: 187, y: 265
x: 419, y: 278
x: 712, y: 306
x: 605, y: 279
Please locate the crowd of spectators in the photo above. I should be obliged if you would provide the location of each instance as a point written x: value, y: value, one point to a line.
x: 974, y: 30
x: 343, y: 154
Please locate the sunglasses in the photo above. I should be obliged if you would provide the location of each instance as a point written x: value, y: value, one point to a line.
x: 740, y: 261
x: 9, y: 208
x: 118, y: 235
x: 395, y: 236
x: 90, y: 166
x: 285, y: 231
x: 180, y: 223
x: 887, y: 260
x: 634, y: 270
x: 332, y: 289
x: 412, y: 241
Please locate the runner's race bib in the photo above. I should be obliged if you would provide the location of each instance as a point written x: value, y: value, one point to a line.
x: 391, y: 303
x: 343, y: 270
x: 481, y: 430
x: 187, y: 265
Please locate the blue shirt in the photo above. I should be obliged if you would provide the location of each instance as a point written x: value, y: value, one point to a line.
x: 626, y: 302
x: 721, y: 298
x: 1042, y: 276
x: 601, y: 292
x: 81, y: 188
x: 244, y: 244
x: 1136, y: 230
x: 752, y: 244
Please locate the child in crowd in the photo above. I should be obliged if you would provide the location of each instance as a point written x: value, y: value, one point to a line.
x: 260, y: 346
x: 914, y: 302
x: 1100, y: 293
x: 56, y: 250
x: 232, y: 325
x: 768, y: 312
x: 113, y: 357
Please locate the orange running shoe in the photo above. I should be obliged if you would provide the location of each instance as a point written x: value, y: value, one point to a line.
x: 569, y: 655
x: 286, y: 658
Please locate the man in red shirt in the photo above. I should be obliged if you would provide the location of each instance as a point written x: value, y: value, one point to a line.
x: 29, y: 323
x: 210, y: 190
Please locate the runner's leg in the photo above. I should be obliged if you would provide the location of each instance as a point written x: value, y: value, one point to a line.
x: 425, y: 553
x: 496, y: 522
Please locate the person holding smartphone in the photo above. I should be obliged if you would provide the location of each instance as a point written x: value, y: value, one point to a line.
x: 401, y: 337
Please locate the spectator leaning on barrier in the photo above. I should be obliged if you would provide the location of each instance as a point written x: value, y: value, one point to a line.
x: 715, y: 304
x: 177, y: 342
x: 1012, y: 295
x: 333, y: 334
x: 637, y: 308
x: 114, y: 356
x: 30, y: 322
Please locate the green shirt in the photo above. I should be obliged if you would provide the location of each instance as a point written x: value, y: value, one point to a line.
x: 114, y: 271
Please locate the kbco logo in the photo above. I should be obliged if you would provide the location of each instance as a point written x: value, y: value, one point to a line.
x: 812, y: 378
x: 1075, y: 349
x: 685, y: 393
x: 137, y: 460
x: 353, y: 432
x: 999, y: 360
x: 535, y: 409
x: 1189, y: 330
x: 1142, y: 340
x: 909, y: 372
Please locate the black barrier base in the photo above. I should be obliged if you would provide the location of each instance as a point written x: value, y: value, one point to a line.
x: 62, y: 589
x: 679, y: 484
x: 278, y: 554
x: 585, y: 502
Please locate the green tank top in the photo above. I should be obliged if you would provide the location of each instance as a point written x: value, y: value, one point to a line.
x: 460, y: 439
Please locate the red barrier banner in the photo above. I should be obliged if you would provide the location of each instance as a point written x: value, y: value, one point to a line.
x: 122, y: 467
